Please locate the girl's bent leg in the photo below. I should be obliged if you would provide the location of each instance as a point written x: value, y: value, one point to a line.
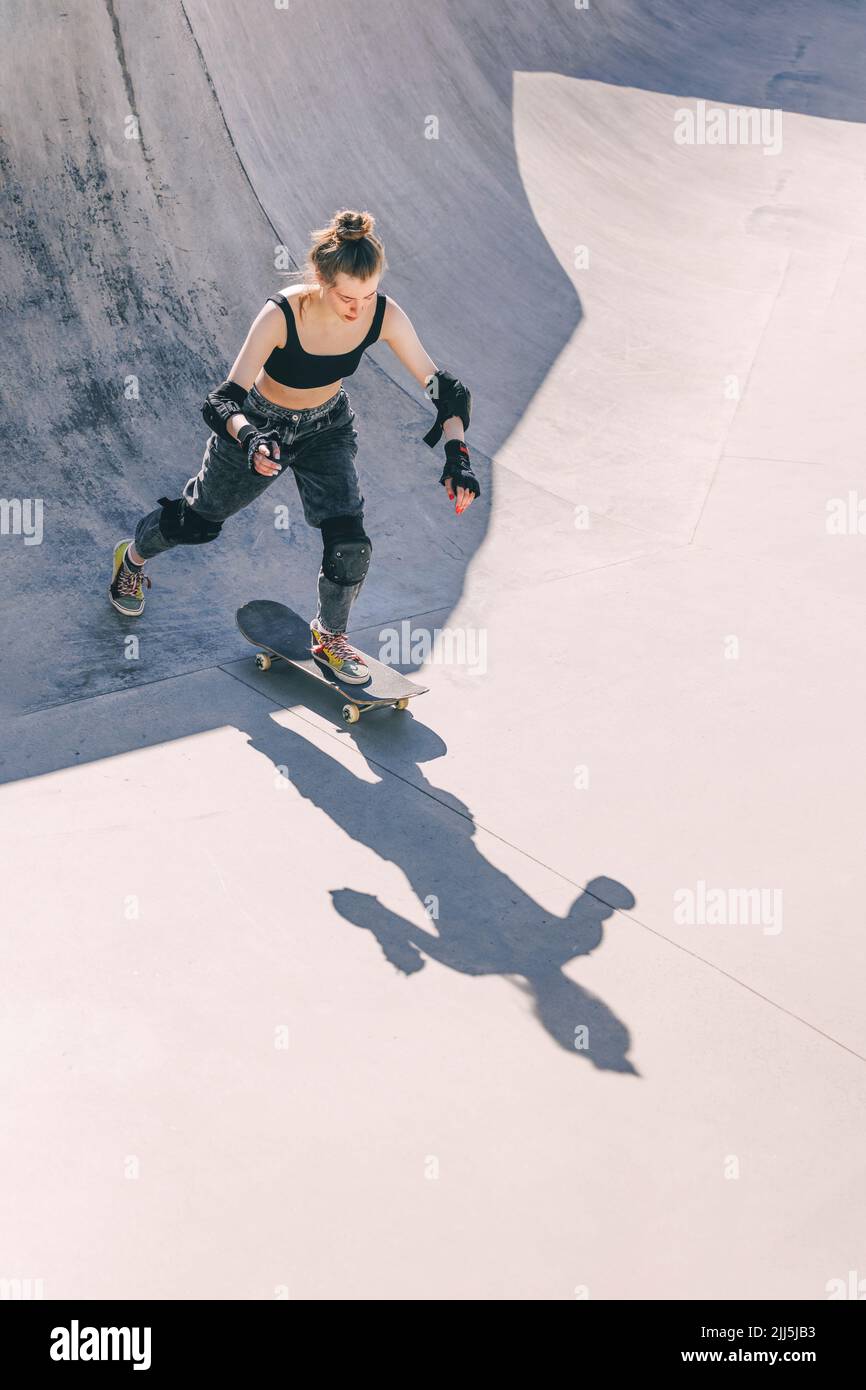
x: 149, y: 540
x: 223, y: 485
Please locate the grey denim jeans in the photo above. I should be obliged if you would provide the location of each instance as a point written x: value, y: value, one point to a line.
x: 318, y: 445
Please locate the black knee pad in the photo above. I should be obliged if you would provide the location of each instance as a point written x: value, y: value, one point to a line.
x: 348, y: 549
x: 181, y: 524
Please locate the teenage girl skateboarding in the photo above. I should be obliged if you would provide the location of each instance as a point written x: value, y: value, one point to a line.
x: 284, y: 404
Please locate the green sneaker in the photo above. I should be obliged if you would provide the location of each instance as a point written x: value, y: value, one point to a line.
x: 126, y: 590
x: 331, y: 649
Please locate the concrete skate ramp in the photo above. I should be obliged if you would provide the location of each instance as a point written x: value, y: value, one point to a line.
x: 166, y: 156
x: 586, y: 936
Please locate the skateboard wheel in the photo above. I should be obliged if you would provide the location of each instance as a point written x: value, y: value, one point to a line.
x: 263, y: 661
x: 351, y: 714
x: 402, y: 704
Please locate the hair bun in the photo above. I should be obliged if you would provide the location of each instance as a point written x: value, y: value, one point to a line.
x: 352, y: 226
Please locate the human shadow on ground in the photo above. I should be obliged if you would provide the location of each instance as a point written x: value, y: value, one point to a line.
x: 484, y: 922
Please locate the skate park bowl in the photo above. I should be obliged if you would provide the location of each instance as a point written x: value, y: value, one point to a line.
x: 555, y: 982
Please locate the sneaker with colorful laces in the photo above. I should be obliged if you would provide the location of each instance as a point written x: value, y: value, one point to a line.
x: 126, y: 590
x: 333, y: 650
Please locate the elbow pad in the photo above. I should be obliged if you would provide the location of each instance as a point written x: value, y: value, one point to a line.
x: 450, y: 397
x: 221, y: 404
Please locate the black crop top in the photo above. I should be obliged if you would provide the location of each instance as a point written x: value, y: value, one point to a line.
x: 292, y: 366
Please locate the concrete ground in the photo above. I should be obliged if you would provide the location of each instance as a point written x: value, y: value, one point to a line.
x: 552, y: 987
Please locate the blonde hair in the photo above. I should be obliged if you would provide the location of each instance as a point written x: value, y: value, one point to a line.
x: 347, y: 246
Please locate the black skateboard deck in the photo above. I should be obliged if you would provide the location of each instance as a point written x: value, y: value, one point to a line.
x: 280, y: 632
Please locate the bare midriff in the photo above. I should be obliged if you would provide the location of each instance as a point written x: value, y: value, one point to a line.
x: 292, y: 398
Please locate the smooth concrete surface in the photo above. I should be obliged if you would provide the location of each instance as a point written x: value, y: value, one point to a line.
x: 408, y: 1010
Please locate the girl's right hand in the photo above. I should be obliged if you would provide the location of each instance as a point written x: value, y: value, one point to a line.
x: 262, y: 450
x: 264, y: 463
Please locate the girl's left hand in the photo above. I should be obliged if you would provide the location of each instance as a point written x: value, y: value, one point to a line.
x: 464, y: 496
x: 457, y: 478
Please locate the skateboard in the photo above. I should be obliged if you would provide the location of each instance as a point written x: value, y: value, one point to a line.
x: 282, y: 633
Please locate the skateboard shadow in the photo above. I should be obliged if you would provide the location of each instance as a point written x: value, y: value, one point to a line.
x: 478, y: 920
